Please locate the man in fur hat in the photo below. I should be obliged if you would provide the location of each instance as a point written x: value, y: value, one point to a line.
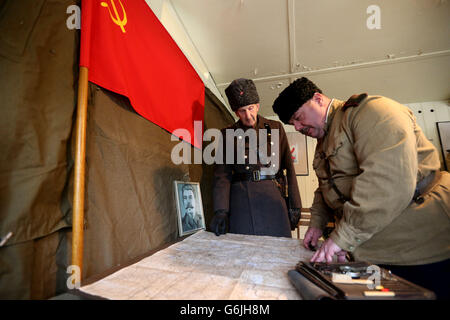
x: 248, y: 196
x: 379, y: 180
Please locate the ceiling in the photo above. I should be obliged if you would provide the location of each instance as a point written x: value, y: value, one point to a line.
x: 334, y: 43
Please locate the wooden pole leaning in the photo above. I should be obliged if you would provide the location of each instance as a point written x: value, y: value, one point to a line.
x: 79, y: 172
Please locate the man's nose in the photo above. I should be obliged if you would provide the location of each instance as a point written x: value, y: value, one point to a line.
x: 297, y: 126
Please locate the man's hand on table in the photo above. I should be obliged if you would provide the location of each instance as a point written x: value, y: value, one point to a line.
x: 312, y: 237
x: 219, y: 223
x: 326, y: 251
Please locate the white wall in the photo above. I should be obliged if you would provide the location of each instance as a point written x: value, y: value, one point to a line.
x: 428, y: 114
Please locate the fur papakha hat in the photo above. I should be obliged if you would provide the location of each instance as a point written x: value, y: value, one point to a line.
x: 293, y: 97
x: 241, y: 92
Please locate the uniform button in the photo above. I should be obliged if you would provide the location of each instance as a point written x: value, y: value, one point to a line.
x: 420, y: 200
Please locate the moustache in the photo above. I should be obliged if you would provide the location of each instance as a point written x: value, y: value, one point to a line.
x: 305, y: 130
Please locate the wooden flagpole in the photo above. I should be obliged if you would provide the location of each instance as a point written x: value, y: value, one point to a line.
x: 80, y: 155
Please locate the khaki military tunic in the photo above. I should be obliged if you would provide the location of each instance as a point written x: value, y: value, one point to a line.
x: 377, y: 154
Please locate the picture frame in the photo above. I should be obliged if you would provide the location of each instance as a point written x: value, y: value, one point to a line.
x: 189, y: 207
x: 443, y: 129
x: 299, y: 152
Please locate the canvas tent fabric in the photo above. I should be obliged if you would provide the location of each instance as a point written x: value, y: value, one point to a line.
x: 129, y: 204
x: 37, y: 54
x: 38, y: 101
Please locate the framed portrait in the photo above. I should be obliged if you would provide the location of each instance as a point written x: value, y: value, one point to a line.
x: 189, y: 207
x: 443, y: 129
x: 299, y: 152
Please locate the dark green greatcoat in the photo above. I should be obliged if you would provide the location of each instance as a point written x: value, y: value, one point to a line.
x: 256, y: 207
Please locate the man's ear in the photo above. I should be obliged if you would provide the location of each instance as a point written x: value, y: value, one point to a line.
x: 317, y: 97
x: 257, y: 107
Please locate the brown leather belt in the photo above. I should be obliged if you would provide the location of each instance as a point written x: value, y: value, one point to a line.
x: 425, y: 185
x: 252, y: 176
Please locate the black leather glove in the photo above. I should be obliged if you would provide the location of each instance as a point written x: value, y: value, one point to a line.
x: 219, y: 223
x: 294, y: 217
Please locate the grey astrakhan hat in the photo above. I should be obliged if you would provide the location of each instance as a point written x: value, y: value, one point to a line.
x: 241, y: 92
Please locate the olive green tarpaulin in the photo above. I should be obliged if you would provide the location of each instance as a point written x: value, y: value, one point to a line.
x: 37, y: 98
x: 129, y: 206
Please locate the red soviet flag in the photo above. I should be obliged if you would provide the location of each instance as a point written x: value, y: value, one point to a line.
x: 128, y: 51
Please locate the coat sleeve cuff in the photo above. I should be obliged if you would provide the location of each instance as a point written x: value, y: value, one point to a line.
x: 318, y: 221
x: 346, y: 237
x: 220, y: 211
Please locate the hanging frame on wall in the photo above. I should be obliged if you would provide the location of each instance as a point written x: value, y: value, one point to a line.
x: 443, y: 129
x: 299, y: 152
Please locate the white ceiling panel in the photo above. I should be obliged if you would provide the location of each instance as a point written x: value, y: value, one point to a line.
x: 274, y: 42
x: 335, y: 33
x: 238, y: 38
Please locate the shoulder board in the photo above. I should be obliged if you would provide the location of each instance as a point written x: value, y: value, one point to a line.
x: 354, y: 100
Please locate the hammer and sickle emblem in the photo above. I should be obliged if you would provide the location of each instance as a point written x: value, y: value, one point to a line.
x: 116, y: 18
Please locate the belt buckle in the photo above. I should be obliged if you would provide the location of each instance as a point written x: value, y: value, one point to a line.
x: 256, y: 175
